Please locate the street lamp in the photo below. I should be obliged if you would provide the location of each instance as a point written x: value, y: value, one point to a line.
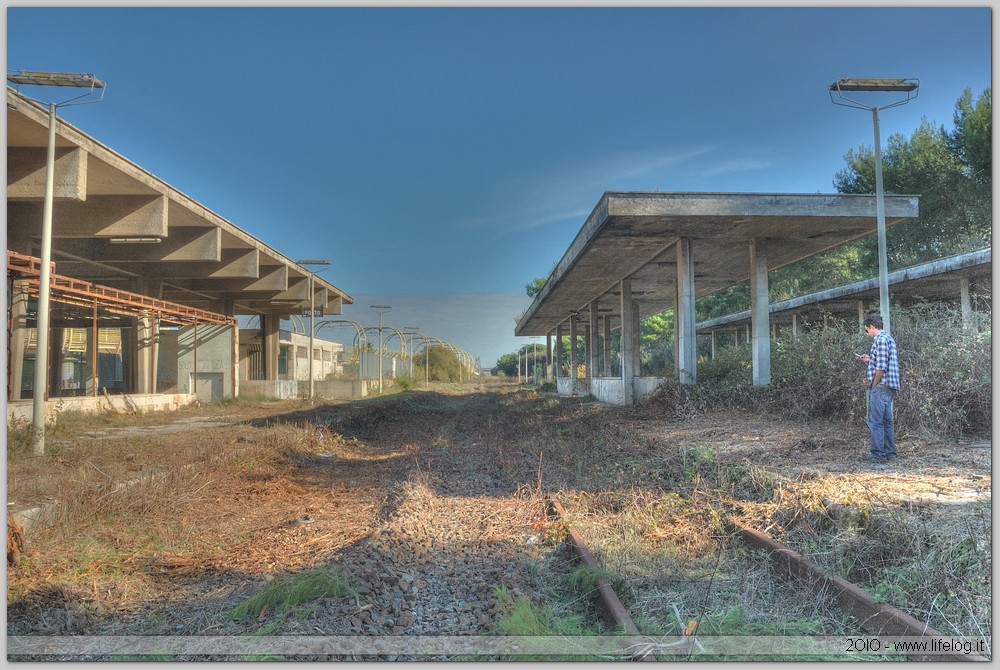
x: 411, y: 331
x: 380, y: 309
x: 908, y: 86
x: 312, y: 314
x: 534, y: 359
x: 65, y: 79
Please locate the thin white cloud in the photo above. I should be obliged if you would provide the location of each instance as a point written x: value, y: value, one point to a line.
x: 735, y: 165
x: 569, y: 191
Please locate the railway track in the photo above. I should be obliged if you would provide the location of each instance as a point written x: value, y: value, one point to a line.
x: 448, y: 557
x: 882, y: 628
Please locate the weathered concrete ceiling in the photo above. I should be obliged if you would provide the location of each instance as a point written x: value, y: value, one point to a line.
x: 103, y: 204
x: 633, y: 235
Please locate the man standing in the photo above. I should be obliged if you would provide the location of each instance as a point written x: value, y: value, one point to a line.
x: 883, y: 383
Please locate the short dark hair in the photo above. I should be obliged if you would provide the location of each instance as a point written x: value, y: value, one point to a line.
x: 874, y: 319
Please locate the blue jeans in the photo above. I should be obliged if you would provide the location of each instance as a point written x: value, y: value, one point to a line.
x: 880, y: 401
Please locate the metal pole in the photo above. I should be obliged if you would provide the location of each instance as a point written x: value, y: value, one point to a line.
x: 41, y: 385
x: 93, y: 353
x: 534, y: 363
x: 312, y: 314
x: 883, y: 257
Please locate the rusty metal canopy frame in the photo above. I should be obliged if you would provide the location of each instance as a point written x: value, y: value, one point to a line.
x: 84, y: 294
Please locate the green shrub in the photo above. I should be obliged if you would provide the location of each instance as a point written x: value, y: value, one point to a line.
x: 945, y: 369
x: 407, y: 382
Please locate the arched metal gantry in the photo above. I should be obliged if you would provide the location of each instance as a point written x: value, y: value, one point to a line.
x: 399, y: 335
x: 459, y: 353
x: 427, y: 352
x: 360, y: 342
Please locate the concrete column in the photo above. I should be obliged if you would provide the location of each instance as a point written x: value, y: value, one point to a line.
x: 795, y: 324
x: 636, y: 340
x: 759, y: 313
x: 966, y: 296
x: 229, y: 309
x: 677, y: 337
x: 559, y: 351
x: 18, y: 338
x: 548, y: 357
x: 594, y: 331
x: 684, y: 315
x: 270, y: 327
x: 861, y: 315
x: 147, y: 329
x: 607, y: 346
x: 572, y: 354
x: 628, y: 337
x: 144, y: 369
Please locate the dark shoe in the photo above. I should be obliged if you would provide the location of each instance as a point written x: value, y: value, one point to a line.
x: 873, y: 459
x: 890, y: 457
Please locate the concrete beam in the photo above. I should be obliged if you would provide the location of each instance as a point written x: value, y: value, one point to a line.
x: 271, y: 279
x: 234, y: 264
x: 182, y: 244
x: 26, y: 167
x: 99, y: 216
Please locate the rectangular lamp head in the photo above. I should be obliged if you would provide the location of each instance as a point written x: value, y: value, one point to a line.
x: 31, y: 78
x: 853, y: 84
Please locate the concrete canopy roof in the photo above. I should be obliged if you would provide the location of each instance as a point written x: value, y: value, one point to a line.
x: 633, y: 235
x: 935, y: 280
x: 104, y: 205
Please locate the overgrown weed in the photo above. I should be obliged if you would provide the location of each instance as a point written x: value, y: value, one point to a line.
x: 286, y: 592
x: 945, y: 366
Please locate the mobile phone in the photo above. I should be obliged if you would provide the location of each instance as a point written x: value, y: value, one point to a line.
x: 857, y: 355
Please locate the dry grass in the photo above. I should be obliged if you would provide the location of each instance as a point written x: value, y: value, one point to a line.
x: 648, y: 491
x: 131, y: 514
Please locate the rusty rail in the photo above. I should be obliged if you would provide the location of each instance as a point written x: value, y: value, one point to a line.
x: 878, y: 619
x: 616, y: 616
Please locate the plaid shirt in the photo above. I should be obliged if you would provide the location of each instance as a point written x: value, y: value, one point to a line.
x: 883, y: 357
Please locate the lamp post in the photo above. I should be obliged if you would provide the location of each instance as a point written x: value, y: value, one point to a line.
x: 380, y: 309
x: 534, y: 359
x: 907, y: 86
x: 65, y: 79
x: 312, y: 314
x: 411, y: 331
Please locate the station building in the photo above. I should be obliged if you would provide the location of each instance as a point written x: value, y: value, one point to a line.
x: 147, y: 284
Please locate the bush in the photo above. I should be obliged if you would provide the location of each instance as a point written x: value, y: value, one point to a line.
x: 407, y: 382
x: 945, y: 369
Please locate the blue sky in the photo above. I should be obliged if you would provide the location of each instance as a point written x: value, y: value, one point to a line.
x: 443, y: 157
